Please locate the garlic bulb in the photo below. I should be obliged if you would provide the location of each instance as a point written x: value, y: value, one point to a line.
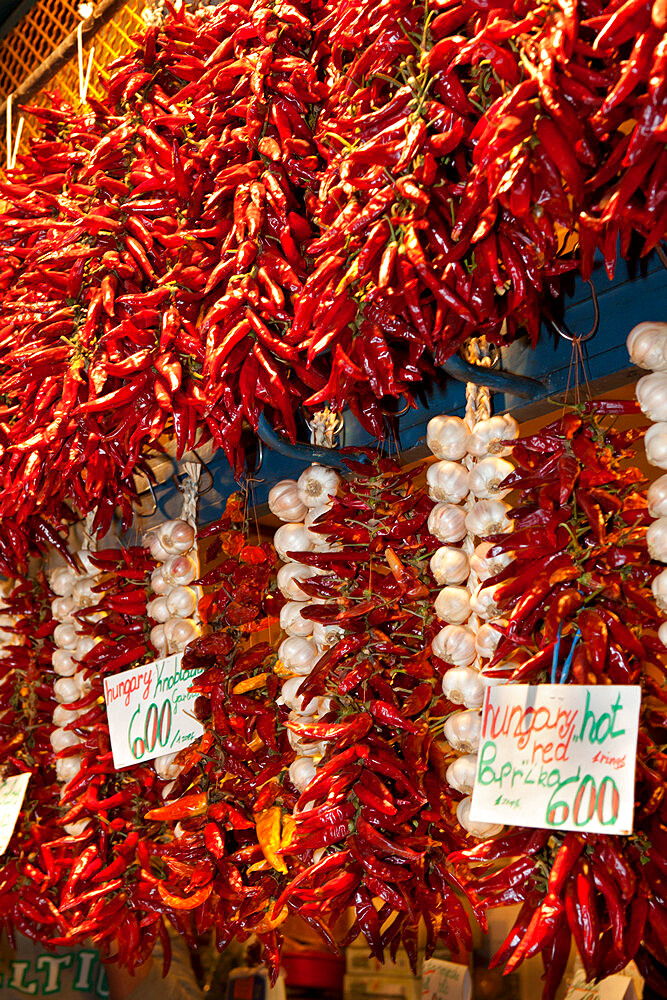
x: 66, y: 690
x: 63, y: 716
x: 292, y: 537
x: 316, y: 485
x: 462, y: 772
x: 488, y: 637
x: 291, y: 620
x: 447, y: 481
x: 327, y: 635
x: 489, y: 437
x: 158, y: 552
x: 314, y: 513
x: 86, y: 560
x: 463, y: 686
x: 655, y: 443
x: 475, y: 829
x: 657, y: 498
x: 453, y: 605
x: 449, y: 565
x: 65, y: 635
x: 301, y: 772
x: 62, y: 580
x: 158, y: 639
x: 455, y: 644
x: 647, y: 346
x: 157, y: 609
x: 61, y: 739
x: 651, y: 392
x: 82, y: 592
x: 462, y: 731
x: 181, y: 602
x: 62, y: 608
x: 63, y: 662
x: 76, y: 828
x: 485, y: 566
x: 305, y: 747
x: 179, y: 570
x: 662, y: 634
x: 487, y: 475
x: 67, y: 768
x: 288, y: 578
x: 159, y: 583
x: 656, y: 539
x: 447, y: 437
x: 165, y: 767
x: 299, y: 655
x: 488, y: 517
x: 483, y: 601
x: 447, y: 522
x: 659, y: 588
x: 176, y: 537
x: 180, y: 632
x: 296, y: 702
x: 85, y: 644
x: 284, y: 501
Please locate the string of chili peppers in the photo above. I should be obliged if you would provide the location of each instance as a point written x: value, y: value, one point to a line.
x: 580, y: 568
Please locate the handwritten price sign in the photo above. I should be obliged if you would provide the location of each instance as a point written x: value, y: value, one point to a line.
x: 150, y: 711
x: 12, y: 793
x: 558, y: 756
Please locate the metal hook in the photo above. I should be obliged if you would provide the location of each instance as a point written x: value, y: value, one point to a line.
x: 311, y: 453
x: 208, y: 472
x: 562, y: 331
x: 141, y: 513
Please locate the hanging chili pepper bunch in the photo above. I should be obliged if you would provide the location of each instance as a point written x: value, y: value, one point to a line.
x: 375, y: 822
x: 577, y: 593
x: 463, y: 142
x: 150, y: 250
x: 26, y: 707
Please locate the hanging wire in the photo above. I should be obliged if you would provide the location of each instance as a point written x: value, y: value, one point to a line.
x: 577, y: 372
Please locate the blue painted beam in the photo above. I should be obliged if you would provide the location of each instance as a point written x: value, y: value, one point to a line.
x: 634, y: 294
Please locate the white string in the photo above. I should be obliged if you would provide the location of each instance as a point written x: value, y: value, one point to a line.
x: 83, y: 80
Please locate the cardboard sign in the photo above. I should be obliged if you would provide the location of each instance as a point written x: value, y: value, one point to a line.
x: 558, y: 756
x: 445, y: 980
x: 12, y: 793
x: 150, y: 711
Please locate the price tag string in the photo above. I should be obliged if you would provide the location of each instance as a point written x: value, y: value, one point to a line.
x: 564, y: 674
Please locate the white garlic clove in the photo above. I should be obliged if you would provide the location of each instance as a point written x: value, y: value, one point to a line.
x: 76, y: 828
x: 180, y: 632
x: 66, y: 635
x: 485, y: 566
x: 462, y: 731
x: 474, y: 828
x: 64, y: 663
x: 178, y: 571
x: 165, y: 767
x: 176, y: 537
x: 317, y: 485
x: 455, y: 644
x: 62, y: 608
x: 289, y: 577
x: 447, y: 437
x: 447, y: 523
x: 61, y: 739
x: 295, y: 702
x: 449, y: 565
x: 452, y: 605
x: 66, y: 690
x: 181, y: 602
x: 292, y: 537
x: 659, y: 588
x: 284, y: 501
x: 447, y: 481
x: 158, y: 639
x: 62, y: 581
x: 462, y: 772
x: 463, y: 686
x: 159, y: 583
x: 488, y: 637
x: 67, y: 768
x: 85, y: 644
x: 64, y: 716
x: 327, y: 635
x: 157, y: 609
x: 662, y: 633
x: 155, y: 548
x: 483, y: 601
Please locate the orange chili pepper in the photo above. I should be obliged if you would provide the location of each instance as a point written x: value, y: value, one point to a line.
x: 188, y: 805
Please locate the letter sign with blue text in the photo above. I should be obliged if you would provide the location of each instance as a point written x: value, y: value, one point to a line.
x: 558, y: 756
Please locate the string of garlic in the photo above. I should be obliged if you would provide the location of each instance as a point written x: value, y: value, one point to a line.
x: 466, y: 485
x: 173, y: 545
x: 74, y: 592
x: 647, y: 346
x: 299, y: 503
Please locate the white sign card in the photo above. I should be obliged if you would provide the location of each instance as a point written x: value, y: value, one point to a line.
x: 558, y: 756
x: 12, y: 793
x: 150, y: 711
x: 445, y: 980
